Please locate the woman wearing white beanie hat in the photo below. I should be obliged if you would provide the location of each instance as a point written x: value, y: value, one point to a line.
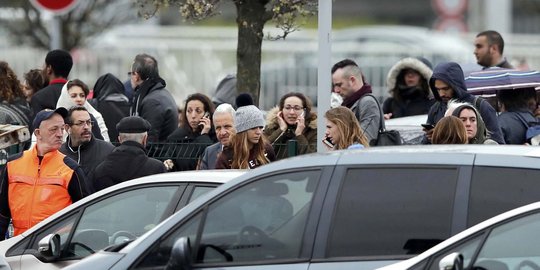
x: 248, y: 147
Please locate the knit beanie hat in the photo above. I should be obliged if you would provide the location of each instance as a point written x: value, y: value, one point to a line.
x: 248, y: 117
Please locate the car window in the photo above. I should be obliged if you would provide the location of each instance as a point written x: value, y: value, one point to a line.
x: 512, y: 245
x: 467, y: 248
x: 119, y: 218
x: 495, y: 190
x: 392, y: 211
x: 263, y: 220
x: 198, y: 191
x: 62, y: 228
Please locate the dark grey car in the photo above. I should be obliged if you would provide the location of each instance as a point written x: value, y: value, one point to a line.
x: 343, y: 210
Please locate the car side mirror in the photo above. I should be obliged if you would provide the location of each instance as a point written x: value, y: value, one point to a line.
x: 452, y: 261
x: 49, y: 247
x: 180, y: 255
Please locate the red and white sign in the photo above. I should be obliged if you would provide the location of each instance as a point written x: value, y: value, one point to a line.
x: 55, y: 6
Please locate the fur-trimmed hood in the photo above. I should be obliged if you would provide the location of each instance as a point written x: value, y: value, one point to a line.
x: 272, y: 122
x: 419, y: 64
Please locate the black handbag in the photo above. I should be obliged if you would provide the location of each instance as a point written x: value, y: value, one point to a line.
x: 385, y: 137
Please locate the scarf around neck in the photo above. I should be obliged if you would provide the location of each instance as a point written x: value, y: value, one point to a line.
x: 350, y: 100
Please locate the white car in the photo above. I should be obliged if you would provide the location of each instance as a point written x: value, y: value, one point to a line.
x: 113, y: 215
x: 507, y: 241
x: 409, y: 127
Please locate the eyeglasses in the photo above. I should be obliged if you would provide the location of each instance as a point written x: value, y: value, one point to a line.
x: 296, y: 108
x: 82, y: 123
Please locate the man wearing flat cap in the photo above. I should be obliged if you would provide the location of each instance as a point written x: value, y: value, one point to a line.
x: 40, y: 181
x: 128, y: 160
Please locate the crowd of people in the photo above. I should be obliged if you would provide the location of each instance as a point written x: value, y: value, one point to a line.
x: 81, y: 145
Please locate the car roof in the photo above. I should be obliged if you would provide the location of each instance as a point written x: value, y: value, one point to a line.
x: 201, y: 176
x: 428, y: 154
x: 462, y: 235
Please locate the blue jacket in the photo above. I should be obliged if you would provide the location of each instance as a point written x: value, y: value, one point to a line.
x: 452, y: 74
x: 513, y: 127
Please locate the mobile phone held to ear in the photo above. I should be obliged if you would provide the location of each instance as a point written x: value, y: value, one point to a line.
x: 328, y: 142
x: 428, y: 126
x: 206, y: 114
x: 303, y: 113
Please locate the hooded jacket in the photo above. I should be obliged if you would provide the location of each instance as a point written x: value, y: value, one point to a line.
x: 452, y: 74
x: 154, y: 103
x: 481, y: 137
x: 407, y: 101
x: 307, y: 142
x: 99, y: 130
x: 87, y: 155
x: 127, y: 161
x: 110, y: 100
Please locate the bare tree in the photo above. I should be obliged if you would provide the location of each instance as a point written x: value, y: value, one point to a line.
x: 251, y: 17
x: 85, y: 21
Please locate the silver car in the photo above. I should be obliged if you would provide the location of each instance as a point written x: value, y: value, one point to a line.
x: 344, y: 210
x: 114, y: 215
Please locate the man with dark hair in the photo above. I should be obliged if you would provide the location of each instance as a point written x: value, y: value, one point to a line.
x: 348, y: 81
x: 151, y: 100
x: 40, y: 181
x: 488, y: 49
x: 447, y: 83
x: 130, y: 155
x: 80, y: 144
x: 58, y: 64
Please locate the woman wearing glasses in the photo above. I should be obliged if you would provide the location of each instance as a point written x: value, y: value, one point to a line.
x: 292, y: 119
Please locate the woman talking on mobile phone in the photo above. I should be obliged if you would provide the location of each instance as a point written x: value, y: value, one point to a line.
x: 343, y: 130
x: 292, y: 119
x: 195, y: 133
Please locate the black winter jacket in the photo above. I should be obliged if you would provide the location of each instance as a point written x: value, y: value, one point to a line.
x: 87, y: 155
x: 127, y: 161
x: 188, y: 147
x: 452, y: 74
x: 110, y: 101
x: 154, y: 103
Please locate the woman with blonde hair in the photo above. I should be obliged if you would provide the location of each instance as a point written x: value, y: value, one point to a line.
x: 343, y: 130
x: 248, y: 148
x: 449, y: 130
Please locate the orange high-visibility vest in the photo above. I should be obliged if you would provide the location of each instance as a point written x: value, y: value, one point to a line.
x: 36, y: 191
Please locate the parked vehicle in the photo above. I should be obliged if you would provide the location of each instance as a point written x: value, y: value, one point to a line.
x: 353, y: 209
x: 111, y: 216
x: 507, y: 241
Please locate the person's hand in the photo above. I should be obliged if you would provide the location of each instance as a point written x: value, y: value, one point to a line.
x: 537, y: 113
x: 387, y: 116
x: 168, y: 164
x: 206, y: 124
x: 281, y: 122
x: 429, y: 133
x: 300, y: 125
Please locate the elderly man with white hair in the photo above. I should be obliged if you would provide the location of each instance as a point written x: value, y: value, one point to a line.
x: 223, y: 119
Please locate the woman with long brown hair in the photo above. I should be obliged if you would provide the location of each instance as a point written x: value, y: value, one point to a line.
x: 14, y: 109
x: 248, y: 149
x: 343, y: 130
